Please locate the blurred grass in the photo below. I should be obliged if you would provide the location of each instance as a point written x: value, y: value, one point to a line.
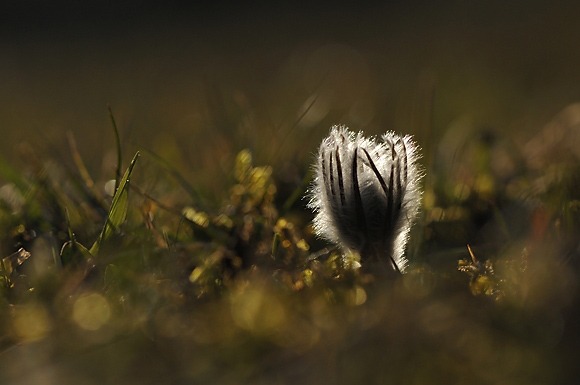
x: 233, y: 288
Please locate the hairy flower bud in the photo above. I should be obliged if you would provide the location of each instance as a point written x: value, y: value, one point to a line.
x: 366, y: 194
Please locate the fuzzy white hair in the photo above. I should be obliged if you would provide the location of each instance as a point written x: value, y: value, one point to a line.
x: 366, y: 194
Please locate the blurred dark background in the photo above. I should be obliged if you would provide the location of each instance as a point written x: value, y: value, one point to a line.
x: 264, y: 72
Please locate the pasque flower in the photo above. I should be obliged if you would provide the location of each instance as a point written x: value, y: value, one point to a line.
x: 366, y: 194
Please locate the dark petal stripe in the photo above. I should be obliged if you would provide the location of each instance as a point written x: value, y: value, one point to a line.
x: 389, y: 212
x: 326, y: 175
x: 398, y: 193
x: 376, y: 171
x: 340, y: 181
x: 389, y: 215
x: 323, y: 165
x: 395, y: 265
x: 331, y: 174
x: 358, y: 204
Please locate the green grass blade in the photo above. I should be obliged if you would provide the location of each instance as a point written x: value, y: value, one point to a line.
x: 119, y: 151
x: 119, y: 207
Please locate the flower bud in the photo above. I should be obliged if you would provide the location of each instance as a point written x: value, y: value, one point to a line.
x: 366, y: 194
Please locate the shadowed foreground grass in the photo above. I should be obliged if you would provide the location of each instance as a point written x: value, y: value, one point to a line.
x: 157, y: 282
